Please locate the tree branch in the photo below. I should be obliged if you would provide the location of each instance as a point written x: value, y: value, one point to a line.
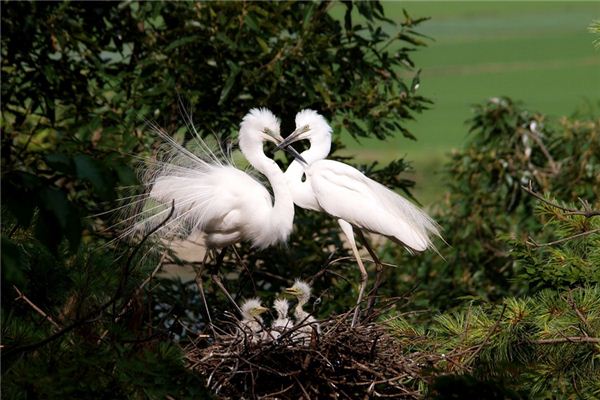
x: 22, y: 296
x: 567, y: 339
x: 588, y: 213
x: 89, y: 317
x: 533, y: 243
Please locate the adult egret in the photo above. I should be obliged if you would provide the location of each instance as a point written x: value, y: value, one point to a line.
x: 209, y: 194
x: 301, y: 290
x: 282, y: 322
x: 347, y: 194
x: 252, y: 323
x: 213, y: 196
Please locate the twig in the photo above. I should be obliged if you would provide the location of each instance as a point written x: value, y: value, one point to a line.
x: 21, y: 296
x: 581, y: 317
x: 567, y: 339
x: 533, y: 243
x: 570, y: 211
x: 553, y: 166
x: 89, y: 316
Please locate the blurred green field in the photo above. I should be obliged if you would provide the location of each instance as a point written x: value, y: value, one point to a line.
x: 539, y: 53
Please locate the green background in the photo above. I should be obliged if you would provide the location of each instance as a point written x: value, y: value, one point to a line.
x: 540, y: 53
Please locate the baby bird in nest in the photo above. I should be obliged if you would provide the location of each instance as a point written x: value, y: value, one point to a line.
x: 305, y: 322
x: 252, y: 323
x: 282, y: 322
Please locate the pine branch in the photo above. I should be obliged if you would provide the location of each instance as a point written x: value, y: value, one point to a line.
x: 487, y: 337
x: 89, y: 317
x: 533, y: 243
x: 588, y: 212
x: 567, y: 339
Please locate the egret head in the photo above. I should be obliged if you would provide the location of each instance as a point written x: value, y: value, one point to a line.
x: 252, y: 308
x: 281, y: 306
x: 301, y: 290
x: 312, y: 126
x: 258, y: 126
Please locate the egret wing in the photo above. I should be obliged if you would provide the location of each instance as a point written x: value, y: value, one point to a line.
x: 346, y: 193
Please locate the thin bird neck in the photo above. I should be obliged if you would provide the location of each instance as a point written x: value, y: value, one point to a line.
x: 299, y: 312
x: 282, y: 216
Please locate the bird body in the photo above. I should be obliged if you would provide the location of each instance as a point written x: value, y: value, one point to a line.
x: 282, y: 322
x: 302, y: 319
x: 344, y: 192
x: 213, y: 196
x: 356, y: 200
x: 251, y: 325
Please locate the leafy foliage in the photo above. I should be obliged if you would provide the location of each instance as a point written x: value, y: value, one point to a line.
x: 79, y: 78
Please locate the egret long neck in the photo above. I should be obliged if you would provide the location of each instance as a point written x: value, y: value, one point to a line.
x: 282, y: 218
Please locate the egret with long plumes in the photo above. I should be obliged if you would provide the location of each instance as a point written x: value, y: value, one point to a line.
x: 345, y: 193
x: 211, y: 195
x: 205, y: 192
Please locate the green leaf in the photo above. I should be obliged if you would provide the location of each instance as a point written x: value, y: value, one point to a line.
x: 233, y: 73
x: 88, y: 168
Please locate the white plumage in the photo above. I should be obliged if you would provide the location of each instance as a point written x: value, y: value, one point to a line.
x: 213, y: 196
x: 252, y: 323
x: 302, y: 319
x: 282, y: 323
x: 346, y: 193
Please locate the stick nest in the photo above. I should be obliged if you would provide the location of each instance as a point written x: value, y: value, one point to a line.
x: 339, y: 363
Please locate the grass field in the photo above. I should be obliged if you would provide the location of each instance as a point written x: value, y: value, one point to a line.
x: 538, y: 53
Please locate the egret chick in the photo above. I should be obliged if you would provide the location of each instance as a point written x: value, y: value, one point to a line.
x: 282, y: 323
x: 301, y: 290
x: 252, y: 322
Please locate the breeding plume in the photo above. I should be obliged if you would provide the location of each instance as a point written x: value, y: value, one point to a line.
x: 282, y: 322
x: 252, y: 323
x: 301, y: 290
x: 347, y: 194
x: 211, y: 195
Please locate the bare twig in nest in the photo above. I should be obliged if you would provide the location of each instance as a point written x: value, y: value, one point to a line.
x: 342, y: 362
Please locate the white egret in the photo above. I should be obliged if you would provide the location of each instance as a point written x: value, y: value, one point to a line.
x: 301, y: 290
x: 226, y: 203
x: 209, y: 194
x: 282, y: 322
x: 252, y: 323
x: 347, y: 194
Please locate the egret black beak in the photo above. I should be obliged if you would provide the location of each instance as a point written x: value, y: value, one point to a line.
x: 294, y: 153
x: 294, y: 136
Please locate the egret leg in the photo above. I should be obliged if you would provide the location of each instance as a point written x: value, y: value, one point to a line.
x: 200, y: 284
x: 379, y: 277
x: 217, y: 279
x: 349, y: 232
